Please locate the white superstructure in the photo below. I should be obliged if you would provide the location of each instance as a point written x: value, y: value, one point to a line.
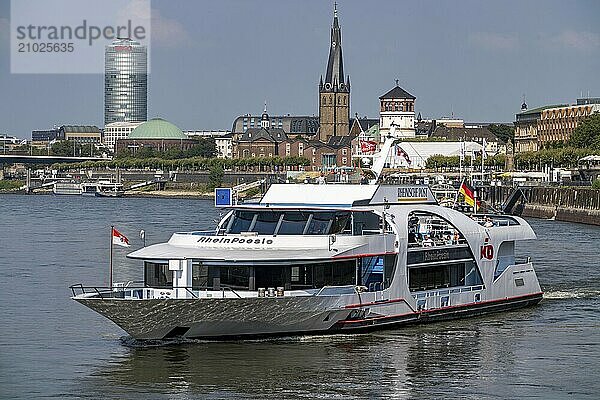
x: 323, y: 258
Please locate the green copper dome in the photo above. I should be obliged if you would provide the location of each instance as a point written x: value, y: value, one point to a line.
x: 157, y: 128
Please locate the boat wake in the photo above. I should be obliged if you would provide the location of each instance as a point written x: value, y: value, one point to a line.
x: 129, y: 341
x: 572, y: 294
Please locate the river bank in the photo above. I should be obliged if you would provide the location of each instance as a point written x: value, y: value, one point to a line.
x: 169, y: 194
x: 580, y: 205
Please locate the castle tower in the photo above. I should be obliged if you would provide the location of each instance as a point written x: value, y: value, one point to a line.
x: 334, y: 92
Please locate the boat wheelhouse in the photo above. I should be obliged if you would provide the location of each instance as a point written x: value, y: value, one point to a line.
x: 323, y: 258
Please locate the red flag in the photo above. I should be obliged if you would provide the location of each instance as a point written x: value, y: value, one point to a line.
x: 119, y: 239
x: 367, y: 146
x: 400, y: 152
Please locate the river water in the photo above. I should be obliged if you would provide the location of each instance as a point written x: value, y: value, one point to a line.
x: 52, y: 347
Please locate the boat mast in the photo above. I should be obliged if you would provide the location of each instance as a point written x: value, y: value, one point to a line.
x: 110, y: 271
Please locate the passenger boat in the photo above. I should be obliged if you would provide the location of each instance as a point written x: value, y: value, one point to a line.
x: 323, y: 259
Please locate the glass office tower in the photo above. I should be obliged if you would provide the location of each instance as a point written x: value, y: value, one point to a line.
x: 125, y: 81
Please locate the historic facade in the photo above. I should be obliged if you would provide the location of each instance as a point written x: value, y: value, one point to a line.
x: 557, y: 124
x: 334, y: 91
x: 397, y: 114
x: 336, y: 153
x: 259, y: 142
x: 325, y: 140
x: 539, y: 127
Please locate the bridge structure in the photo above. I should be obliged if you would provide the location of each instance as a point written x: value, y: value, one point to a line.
x: 27, y: 159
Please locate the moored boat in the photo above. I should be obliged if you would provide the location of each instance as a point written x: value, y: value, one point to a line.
x: 323, y: 258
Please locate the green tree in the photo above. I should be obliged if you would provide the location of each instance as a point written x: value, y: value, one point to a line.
x: 215, y: 177
x: 66, y: 148
x: 146, y: 152
x: 587, y: 134
x: 205, y: 147
x: 503, y: 132
x: 123, y: 153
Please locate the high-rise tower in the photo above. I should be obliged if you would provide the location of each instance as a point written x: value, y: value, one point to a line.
x: 334, y: 91
x: 125, y: 82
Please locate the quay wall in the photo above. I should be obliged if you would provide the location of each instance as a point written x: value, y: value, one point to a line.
x: 580, y: 205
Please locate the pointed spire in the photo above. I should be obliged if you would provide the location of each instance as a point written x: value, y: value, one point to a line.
x: 335, y: 64
x: 264, y: 119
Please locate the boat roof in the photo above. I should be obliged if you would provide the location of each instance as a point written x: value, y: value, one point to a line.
x: 167, y: 251
x: 315, y: 196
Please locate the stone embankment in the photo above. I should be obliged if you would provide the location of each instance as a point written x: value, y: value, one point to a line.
x: 564, y: 204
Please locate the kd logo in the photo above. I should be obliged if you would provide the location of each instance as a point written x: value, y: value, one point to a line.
x: 487, y: 251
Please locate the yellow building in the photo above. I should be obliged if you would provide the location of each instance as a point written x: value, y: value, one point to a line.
x: 539, y: 127
x: 557, y: 124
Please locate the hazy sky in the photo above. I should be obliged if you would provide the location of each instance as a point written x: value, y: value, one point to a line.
x: 214, y: 60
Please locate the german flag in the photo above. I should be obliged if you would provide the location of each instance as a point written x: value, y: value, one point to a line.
x: 467, y: 191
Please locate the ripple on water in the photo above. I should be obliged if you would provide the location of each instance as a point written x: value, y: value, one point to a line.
x: 54, y: 347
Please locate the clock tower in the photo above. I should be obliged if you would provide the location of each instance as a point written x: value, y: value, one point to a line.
x: 334, y: 91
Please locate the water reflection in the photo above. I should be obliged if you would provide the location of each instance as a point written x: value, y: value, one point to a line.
x: 404, y: 363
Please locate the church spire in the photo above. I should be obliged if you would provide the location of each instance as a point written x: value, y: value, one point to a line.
x: 334, y: 78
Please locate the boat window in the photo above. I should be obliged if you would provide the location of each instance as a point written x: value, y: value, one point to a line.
x: 443, y: 276
x: 157, y: 275
x: 320, y: 223
x: 430, y: 230
x: 366, y: 223
x: 241, y: 222
x: 340, y: 221
x: 377, y: 272
x: 234, y: 277
x: 216, y: 277
x: 266, y: 222
x: 293, y: 223
x: 331, y: 273
x: 199, y: 276
x: 306, y: 276
x: 506, y: 257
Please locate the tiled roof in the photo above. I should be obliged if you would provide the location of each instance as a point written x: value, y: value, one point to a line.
x: 456, y: 134
x: 272, y: 135
x: 398, y: 93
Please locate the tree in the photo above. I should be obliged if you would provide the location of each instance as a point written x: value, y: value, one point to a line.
x: 123, y: 153
x: 146, y: 152
x: 503, y: 132
x: 205, y: 147
x: 587, y: 134
x: 66, y: 148
x: 215, y: 177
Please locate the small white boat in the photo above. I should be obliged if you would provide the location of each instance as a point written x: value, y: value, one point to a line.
x: 323, y: 259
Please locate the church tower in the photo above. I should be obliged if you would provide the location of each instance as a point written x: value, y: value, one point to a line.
x: 334, y: 92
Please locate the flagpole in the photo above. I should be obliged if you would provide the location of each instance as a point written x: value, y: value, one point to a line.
x: 456, y: 195
x: 483, y: 157
x: 110, y: 271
